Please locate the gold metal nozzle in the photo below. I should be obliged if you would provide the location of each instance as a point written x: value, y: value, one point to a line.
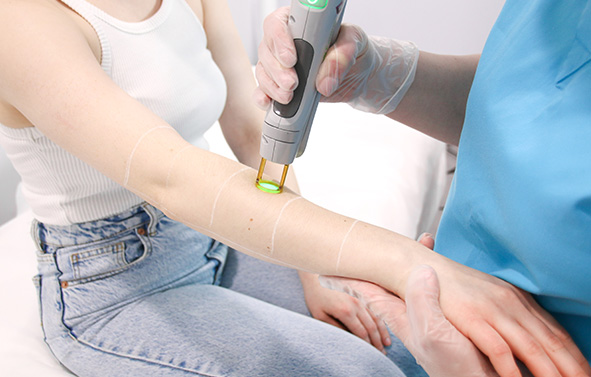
x: 283, y: 176
x: 261, y: 169
x: 270, y: 186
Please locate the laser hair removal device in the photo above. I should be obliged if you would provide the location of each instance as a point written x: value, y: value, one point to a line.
x: 314, y: 25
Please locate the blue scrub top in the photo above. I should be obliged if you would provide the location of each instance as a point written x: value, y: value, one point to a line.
x: 520, y: 204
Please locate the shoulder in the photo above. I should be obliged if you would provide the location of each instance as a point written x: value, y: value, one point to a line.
x: 41, y: 20
x: 14, y: 12
x: 39, y: 41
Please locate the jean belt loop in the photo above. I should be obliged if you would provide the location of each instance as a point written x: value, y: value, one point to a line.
x: 35, y: 236
x: 153, y: 213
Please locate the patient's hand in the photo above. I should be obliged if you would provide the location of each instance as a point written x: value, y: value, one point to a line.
x: 344, y: 311
x: 420, y: 324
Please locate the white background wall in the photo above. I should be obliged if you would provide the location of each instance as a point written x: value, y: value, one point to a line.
x: 451, y: 26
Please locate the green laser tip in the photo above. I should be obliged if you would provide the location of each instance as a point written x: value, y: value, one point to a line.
x: 269, y: 186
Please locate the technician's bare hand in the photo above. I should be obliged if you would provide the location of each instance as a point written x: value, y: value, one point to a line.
x: 370, y: 73
x: 345, y: 312
x: 420, y: 324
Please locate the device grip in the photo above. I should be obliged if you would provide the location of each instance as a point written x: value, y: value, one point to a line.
x: 305, y: 54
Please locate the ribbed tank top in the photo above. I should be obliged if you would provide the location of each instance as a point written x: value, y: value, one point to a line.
x: 162, y: 62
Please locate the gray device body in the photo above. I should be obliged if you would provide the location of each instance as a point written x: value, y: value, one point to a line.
x: 287, y: 127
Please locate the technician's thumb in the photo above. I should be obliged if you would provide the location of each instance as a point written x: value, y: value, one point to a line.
x: 422, y: 302
x: 351, y: 43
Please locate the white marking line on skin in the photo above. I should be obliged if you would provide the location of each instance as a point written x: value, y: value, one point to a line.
x: 128, y: 167
x: 176, y: 156
x: 343, y: 245
x: 215, y: 202
x: 231, y: 243
x: 277, y: 222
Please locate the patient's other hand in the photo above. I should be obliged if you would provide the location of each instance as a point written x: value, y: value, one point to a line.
x: 420, y: 324
x: 344, y: 311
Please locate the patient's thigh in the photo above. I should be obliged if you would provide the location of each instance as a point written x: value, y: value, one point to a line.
x: 209, y: 330
x: 281, y: 286
x: 274, y: 284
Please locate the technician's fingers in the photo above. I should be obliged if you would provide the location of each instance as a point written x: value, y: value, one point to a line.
x: 261, y: 99
x: 284, y: 77
x: 339, y: 59
x: 269, y: 87
x: 278, y: 38
x: 426, y: 239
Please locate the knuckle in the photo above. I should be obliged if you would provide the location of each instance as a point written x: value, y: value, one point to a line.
x: 532, y: 348
x: 500, y: 350
x: 553, y: 342
x: 347, y: 311
x: 563, y: 336
x: 362, y: 332
x: 505, y: 294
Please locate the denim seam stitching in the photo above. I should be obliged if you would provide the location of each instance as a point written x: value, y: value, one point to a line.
x: 102, y: 239
x: 148, y: 250
x: 137, y: 358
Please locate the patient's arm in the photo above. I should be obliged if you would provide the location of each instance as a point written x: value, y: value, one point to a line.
x: 67, y: 96
x: 241, y: 123
x: 420, y: 324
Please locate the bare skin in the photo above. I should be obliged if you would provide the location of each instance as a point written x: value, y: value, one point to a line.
x: 66, y: 95
x: 240, y: 123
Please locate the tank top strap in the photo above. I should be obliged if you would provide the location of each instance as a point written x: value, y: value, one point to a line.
x: 89, y: 13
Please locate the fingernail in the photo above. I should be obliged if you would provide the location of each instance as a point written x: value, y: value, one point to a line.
x: 328, y: 86
x: 287, y: 58
x: 426, y: 234
x: 388, y: 342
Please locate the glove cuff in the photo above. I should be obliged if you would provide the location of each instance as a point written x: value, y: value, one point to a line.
x: 393, y: 72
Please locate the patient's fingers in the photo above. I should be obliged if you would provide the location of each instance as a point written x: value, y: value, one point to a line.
x: 494, y: 346
x: 562, y: 335
x: 376, y: 328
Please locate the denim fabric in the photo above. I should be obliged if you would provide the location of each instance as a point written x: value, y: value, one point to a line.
x: 138, y: 295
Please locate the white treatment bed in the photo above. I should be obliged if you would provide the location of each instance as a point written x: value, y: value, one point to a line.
x: 357, y: 164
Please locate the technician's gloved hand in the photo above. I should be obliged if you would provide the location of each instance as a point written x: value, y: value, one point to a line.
x: 370, y: 73
x: 420, y: 324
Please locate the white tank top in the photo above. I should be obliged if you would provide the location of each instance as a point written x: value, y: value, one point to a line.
x: 163, y: 62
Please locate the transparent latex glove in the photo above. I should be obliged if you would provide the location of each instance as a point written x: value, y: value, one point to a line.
x: 370, y: 73
x: 420, y: 324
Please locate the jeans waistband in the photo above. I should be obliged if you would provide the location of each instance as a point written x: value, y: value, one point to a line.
x: 48, y: 238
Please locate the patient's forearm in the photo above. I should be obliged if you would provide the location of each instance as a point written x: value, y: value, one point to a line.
x: 218, y: 197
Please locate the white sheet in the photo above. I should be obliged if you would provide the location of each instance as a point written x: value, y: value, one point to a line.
x: 361, y: 165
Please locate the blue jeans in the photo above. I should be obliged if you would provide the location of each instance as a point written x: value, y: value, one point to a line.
x: 139, y: 294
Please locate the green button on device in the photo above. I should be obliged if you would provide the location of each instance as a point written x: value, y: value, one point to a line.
x: 316, y: 4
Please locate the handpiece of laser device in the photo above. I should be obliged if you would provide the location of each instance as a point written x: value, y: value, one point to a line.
x: 314, y: 25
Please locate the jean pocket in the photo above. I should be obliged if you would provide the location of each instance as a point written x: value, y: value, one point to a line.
x: 107, y: 258
x: 37, y: 284
x: 218, y: 252
x: 579, y: 54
